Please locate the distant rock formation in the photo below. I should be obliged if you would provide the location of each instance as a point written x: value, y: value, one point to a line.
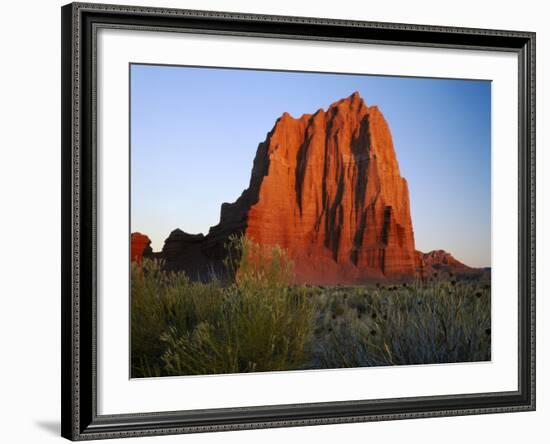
x: 439, y: 263
x: 140, y: 246
x: 327, y: 188
x: 440, y: 259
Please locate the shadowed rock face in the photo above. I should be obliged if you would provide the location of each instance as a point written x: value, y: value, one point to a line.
x: 327, y: 188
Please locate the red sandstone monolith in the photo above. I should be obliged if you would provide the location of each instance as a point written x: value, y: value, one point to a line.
x: 327, y: 188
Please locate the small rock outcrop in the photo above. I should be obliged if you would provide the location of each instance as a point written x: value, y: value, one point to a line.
x: 440, y: 259
x: 140, y: 246
x: 441, y: 264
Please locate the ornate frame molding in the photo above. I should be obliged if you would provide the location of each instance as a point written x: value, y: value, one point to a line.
x: 79, y: 396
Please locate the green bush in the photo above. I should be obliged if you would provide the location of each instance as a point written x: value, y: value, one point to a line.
x: 258, y: 323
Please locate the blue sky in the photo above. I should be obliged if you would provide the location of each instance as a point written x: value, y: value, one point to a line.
x: 194, y: 133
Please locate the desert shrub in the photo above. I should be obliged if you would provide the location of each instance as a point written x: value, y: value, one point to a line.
x: 255, y: 264
x: 255, y: 330
x: 257, y: 323
x: 147, y: 320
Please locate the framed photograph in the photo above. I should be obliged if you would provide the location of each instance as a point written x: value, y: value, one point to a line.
x: 280, y: 221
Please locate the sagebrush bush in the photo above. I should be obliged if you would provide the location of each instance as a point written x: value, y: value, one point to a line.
x: 258, y: 323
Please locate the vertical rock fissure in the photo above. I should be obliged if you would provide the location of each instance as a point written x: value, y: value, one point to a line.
x: 334, y: 219
x: 386, y: 225
x: 358, y: 238
x: 360, y: 148
x: 301, y: 166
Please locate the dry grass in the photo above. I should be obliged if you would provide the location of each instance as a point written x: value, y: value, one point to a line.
x: 441, y: 323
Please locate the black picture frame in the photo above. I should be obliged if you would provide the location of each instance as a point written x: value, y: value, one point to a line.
x: 79, y: 396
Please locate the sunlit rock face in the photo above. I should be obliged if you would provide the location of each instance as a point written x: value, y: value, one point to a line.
x: 327, y: 188
x: 140, y: 246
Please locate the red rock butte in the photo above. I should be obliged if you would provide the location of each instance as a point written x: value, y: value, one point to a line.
x: 327, y: 188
